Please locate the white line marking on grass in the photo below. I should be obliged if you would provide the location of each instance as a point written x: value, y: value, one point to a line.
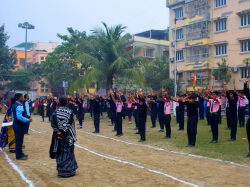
x: 15, y: 167
x: 160, y: 149
x: 129, y: 162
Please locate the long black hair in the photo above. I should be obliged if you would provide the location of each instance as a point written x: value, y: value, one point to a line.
x: 12, y: 101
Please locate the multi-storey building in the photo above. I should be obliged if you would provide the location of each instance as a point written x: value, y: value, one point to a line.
x: 208, y: 30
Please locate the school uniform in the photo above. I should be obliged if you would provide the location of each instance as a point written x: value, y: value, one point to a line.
x: 142, y: 114
x: 241, y: 111
x: 208, y: 115
x: 167, y: 118
x: 119, y: 106
x: 136, y: 113
x: 233, y: 114
x: 181, y: 116
x: 191, y: 121
x: 96, y: 111
x: 161, y: 114
x: 228, y: 114
x: 153, y: 106
x: 177, y: 111
x: 214, y: 111
x: 220, y: 110
x: 201, y: 108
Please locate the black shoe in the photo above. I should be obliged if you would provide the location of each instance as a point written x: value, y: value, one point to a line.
x: 113, y: 130
x: 219, y: 123
x: 136, y: 128
x: 27, y: 133
x: 227, y: 128
x: 189, y: 145
x: 96, y: 132
x: 231, y: 139
x: 117, y: 135
x: 208, y: 124
x: 22, y: 158
x: 111, y: 125
x: 152, y: 127
x: 248, y: 155
x: 166, y: 137
x: 120, y: 135
x: 161, y: 130
x: 79, y: 127
x: 141, y: 140
x: 210, y: 131
x: 213, y: 141
x: 137, y: 133
x: 25, y: 155
x: 180, y: 130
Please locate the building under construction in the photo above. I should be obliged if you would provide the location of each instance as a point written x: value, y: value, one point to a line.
x: 208, y: 30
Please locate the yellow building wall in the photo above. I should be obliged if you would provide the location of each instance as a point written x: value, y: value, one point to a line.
x: 21, y: 55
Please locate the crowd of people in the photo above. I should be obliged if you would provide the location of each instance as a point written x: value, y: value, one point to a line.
x: 116, y: 106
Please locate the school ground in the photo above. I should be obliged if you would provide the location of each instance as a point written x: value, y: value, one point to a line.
x: 106, y: 160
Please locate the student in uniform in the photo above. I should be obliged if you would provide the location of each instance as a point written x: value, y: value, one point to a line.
x: 96, y: 111
x: 207, y: 110
x: 227, y: 112
x: 129, y: 110
x: 192, y: 107
x: 232, y: 101
x: 241, y: 109
x: 80, y: 112
x: 119, y: 105
x: 153, y: 106
x: 214, y: 100
x: 220, y: 108
x: 167, y: 113
x: 177, y: 104
x: 161, y: 103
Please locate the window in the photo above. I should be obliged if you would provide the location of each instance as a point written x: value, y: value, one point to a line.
x: 244, y: 73
x: 149, y: 53
x: 179, y: 13
x: 42, y: 90
x: 219, y: 3
x: 46, y: 86
x: 179, y: 34
x: 42, y: 85
x: 92, y: 85
x: 179, y: 56
x: 221, y: 25
x: 221, y: 50
x: 180, y: 77
x: 46, y: 90
x: 42, y: 58
x: 245, y: 20
x: 245, y: 46
x: 45, y: 58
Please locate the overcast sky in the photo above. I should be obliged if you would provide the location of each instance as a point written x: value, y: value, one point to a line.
x: 53, y: 16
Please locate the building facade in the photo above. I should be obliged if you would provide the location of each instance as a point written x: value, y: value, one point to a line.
x: 155, y: 43
x: 208, y: 30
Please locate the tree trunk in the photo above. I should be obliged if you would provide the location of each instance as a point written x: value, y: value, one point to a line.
x: 109, y: 82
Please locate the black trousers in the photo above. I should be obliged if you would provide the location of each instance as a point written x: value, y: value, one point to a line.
x: 177, y: 114
x: 233, y: 119
x: 80, y: 121
x: 208, y: 115
x: 90, y: 110
x: 97, y: 121
x: 181, y: 119
x: 201, y: 112
x: 153, y: 117
x: 115, y: 120
x: 123, y: 112
x: 241, y: 113
x: 228, y: 117
x: 248, y: 131
x: 26, y: 128
x: 167, y: 120
x: 191, y: 129
x: 214, y: 125
x: 142, y: 127
x: 119, y: 122
x: 19, y: 135
x: 136, y: 118
x: 161, y: 119
x: 219, y: 112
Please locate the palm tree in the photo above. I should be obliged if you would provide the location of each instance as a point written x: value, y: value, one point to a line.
x: 246, y: 61
x: 106, y: 57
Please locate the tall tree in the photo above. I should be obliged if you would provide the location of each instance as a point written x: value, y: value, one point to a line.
x: 8, y: 59
x: 156, y: 72
x: 21, y: 80
x: 246, y: 61
x: 106, y: 58
x: 169, y: 84
x: 223, y: 72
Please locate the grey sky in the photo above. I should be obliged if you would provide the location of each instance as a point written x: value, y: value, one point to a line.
x: 54, y: 16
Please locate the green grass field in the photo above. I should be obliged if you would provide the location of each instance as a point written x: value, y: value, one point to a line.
x: 225, y: 150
